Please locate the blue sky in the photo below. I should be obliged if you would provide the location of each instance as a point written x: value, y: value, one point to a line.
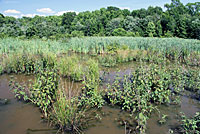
x: 18, y: 8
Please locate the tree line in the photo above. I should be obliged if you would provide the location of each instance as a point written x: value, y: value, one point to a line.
x: 178, y: 20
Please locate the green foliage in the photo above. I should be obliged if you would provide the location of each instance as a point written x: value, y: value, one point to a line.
x: 107, y: 61
x: 112, y: 48
x: 151, y: 29
x: 70, y: 67
x: 130, y: 34
x: 67, y: 19
x: 163, y: 119
x: 91, y: 95
x: 168, y: 34
x: 124, y: 47
x: 21, y: 92
x: 192, y: 80
x: 66, y: 114
x: 42, y: 93
x: 77, y: 34
x: 115, y: 23
x: 161, y: 45
x: 25, y: 63
x: 34, y: 46
x: 119, y: 32
x: 1, y: 69
x: 145, y: 88
x: 191, y: 125
x: 181, y: 20
x: 44, y: 89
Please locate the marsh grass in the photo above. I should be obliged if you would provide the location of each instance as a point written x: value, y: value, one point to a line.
x: 66, y: 114
x: 27, y: 63
x: 71, y: 67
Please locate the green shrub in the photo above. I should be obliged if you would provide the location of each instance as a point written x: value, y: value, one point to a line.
x: 112, y: 48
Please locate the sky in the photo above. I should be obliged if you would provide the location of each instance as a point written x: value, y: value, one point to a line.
x: 30, y: 8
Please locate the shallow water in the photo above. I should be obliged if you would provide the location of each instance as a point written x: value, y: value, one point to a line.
x: 22, y: 118
x: 110, y: 123
x: 18, y: 117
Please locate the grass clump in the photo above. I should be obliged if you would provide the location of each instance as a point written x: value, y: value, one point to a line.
x: 70, y: 67
x: 66, y: 113
x: 27, y: 63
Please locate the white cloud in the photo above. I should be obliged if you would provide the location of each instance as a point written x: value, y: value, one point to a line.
x: 62, y: 12
x: 122, y: 8
x: 45, y: 10
x: 12, y: 11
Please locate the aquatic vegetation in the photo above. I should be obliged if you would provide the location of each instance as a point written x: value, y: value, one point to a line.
x: 170, y: 48
x: 107, y: 61
x: 143, y: 90
x: 66, y: 114
x: 71, y: 67
x: 192, y: 80
x: 138, y: 94
x: 10, y: 46
x: 27, y: 63
x: 163, y: 119
x: 191, y: 125
x: 1, y: 69
x: 42, y: 93
x: 112, y: 48
x: 91, y: 95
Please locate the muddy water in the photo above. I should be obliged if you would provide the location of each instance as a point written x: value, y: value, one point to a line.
x: 17, y: 117
x: 20, y: 118
x: 112, y: 120
x: 188, y: 106
x: 110, y: 124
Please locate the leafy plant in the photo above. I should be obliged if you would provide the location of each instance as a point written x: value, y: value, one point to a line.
x: 42, y: 93
x: 163, y: 119
x: 145, y: 88
x: 44, y: 89
x: 191, y: 125
x: 91, y: 95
